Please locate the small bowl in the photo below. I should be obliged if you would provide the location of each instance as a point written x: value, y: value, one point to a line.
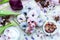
x: 52, y: 33
x: 11, y: 33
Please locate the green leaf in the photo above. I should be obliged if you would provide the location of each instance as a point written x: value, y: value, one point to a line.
x: 6, y: 26
x: 3, y: 1
x: 7, y: 12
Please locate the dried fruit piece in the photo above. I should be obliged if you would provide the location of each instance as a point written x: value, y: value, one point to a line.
x: 16, y: 4
x: 43, y: 3
x: 56, y: 18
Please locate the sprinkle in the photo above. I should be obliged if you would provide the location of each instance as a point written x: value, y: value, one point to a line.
x: 32, y: 21
x: 33, y: 15
x: 32, y: 37
x: 8, y: 37
x: 24, y: 25
x: 24, y: 34
x: 49, y: 9
x: 0, y: 36
x: 25, y: 13
x: 40, y: 21
x: 29, y: 8
x: 4, y: 35
x: 7, y: 30
x: 45, y: 11
x: 46, y: 35
x: 37, y: 35
x: 26, y: 38
x: 21, y: 19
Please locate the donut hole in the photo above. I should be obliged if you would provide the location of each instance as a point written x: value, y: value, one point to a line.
x: 50, y: 27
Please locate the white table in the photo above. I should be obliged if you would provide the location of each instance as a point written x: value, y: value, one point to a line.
x: 36, y: 34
